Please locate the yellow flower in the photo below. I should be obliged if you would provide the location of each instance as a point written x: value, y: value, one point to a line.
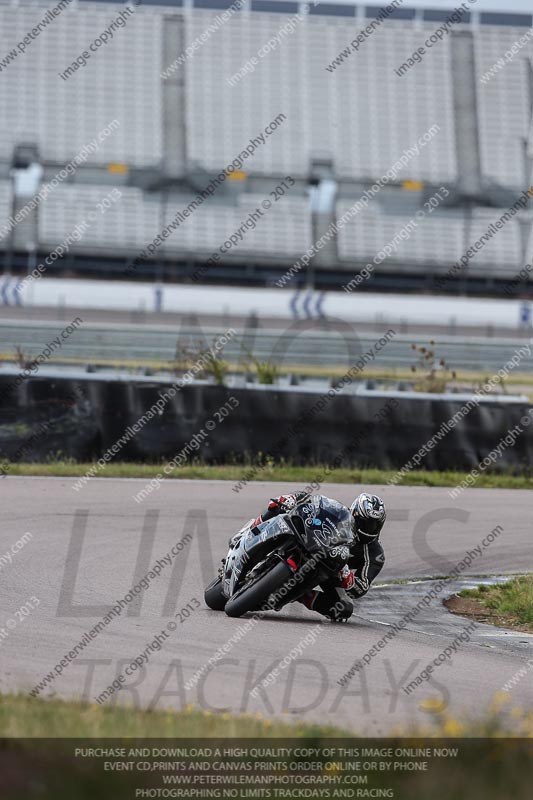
x: 452, y: 727
x: 433, y: 705
x: 500, y: 699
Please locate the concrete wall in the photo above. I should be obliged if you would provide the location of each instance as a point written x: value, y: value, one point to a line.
x: 86, y: 417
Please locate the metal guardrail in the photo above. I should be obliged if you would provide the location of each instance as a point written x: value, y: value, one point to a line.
x: 92, y: 343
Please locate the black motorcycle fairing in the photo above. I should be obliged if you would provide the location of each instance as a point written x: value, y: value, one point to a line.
x: 320, y: 528
x: 323, y: 526
x: 252, y: 548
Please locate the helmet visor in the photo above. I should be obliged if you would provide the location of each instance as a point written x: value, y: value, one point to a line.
x: 368, y: 528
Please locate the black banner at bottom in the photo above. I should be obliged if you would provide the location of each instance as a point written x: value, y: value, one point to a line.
x: 405, y: 769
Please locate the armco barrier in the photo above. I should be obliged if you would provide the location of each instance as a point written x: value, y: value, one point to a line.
x: 88, y: 415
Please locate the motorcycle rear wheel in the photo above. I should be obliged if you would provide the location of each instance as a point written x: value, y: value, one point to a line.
x: 252, y: 599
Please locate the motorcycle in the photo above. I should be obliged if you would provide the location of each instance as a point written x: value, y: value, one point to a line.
x: 277, y: 561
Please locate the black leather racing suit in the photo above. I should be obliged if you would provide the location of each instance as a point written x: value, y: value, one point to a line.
x: 365, y: 564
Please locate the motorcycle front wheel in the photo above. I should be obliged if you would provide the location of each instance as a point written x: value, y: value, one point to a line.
x: 214, y: 597
x: 253, y: 598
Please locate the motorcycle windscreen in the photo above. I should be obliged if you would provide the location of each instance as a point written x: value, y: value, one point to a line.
x: 324, y: 524
x: 255, y: 545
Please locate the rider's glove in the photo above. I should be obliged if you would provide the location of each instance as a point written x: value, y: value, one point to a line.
x: 302, y: 497
x: 286, y: 502
x: 346, y: 575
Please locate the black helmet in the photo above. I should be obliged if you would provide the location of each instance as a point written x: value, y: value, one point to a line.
x: 368, y: 517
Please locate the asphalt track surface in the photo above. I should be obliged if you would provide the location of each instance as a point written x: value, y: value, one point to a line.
x: 64, y: 568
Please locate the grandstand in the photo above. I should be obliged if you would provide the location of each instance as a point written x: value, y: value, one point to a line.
x: 346, y: 122
x: 131, y: 222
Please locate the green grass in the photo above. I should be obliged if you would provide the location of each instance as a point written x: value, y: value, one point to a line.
x: 512, y: 600
x: 278, y: 473
x: 38, y: 761
x: 423, y: 579
x: 33, y: 766
x: 24, y: 716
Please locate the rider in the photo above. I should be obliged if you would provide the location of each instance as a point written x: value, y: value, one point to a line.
x: 366, y: 559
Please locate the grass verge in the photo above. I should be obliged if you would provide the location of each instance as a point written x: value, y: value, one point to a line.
x: 508, y: 604
x: 278, y: 473
x: 47, y: 768
x: 22, y: 716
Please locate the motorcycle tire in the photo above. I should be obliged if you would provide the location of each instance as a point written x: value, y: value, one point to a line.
x: 253, y: 599
x: 213, y: 596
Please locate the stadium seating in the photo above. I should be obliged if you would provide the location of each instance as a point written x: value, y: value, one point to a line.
x: 358, y: 136
x: 5, y: 205
x: 363, y: 138
x: 503, y: 250
x: 439, y: 240
x: 136, y: 219
x: 282, y: 231
x: 129, y: 223
x: 361, y: 117
x: 121, y: 82
x: 504, y: 105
